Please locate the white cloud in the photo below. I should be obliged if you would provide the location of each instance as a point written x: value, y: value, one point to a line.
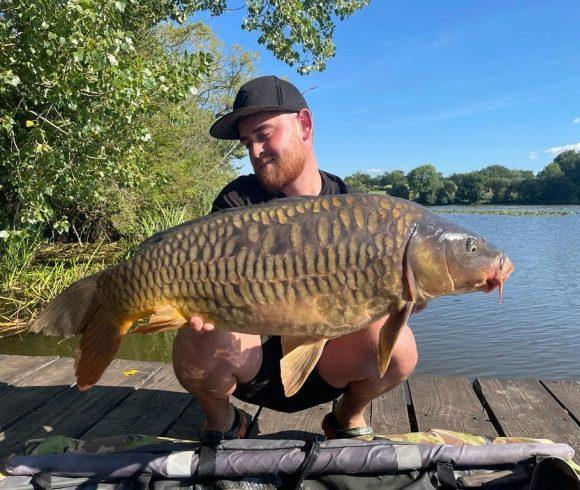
x: 556, y: 150
x: 534, y: 155
x: 374, y: 171
x: 576, y: 120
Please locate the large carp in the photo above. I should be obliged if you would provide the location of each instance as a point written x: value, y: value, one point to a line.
x: 306, y: 268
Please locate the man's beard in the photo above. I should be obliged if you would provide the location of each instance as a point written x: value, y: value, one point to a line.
x: 282, y: 170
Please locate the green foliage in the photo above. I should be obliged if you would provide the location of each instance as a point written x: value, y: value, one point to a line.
x: 360, y: 181
x: 155, y: 220
x: 16, y: 253
x: 186, y: 167
x: 394, y: 183
x: 558, y: 183
x: 446, y: 192
x: 81, y: 80
x: 28, y: 283
x: 424, y: 184
x: 74, y: 84
x: 288, y: 25
x: 569, y: 163
x: 471, y: 187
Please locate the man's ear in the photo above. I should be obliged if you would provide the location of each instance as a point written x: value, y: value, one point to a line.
x: 306, y: 123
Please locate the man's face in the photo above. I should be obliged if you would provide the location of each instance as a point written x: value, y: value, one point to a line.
x: 276, y: 147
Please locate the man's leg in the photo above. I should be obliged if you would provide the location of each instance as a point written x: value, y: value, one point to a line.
x: 352, y: 360
x: 209, y: 364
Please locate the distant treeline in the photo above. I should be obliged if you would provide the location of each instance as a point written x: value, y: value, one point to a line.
x: 557, y: 183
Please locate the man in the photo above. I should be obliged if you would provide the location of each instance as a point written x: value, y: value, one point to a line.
x: 271, y: 118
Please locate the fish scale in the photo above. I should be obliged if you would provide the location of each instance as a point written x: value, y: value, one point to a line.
x: 303, y: 243
x: 308, y: 269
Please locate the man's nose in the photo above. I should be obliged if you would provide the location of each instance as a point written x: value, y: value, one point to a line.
x: 255, y: 149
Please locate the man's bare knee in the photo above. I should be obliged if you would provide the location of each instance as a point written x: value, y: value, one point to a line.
x: 216, y: 360
x: 405, y: 357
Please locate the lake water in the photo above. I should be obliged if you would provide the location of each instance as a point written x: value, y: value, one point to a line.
x: 534, y: 332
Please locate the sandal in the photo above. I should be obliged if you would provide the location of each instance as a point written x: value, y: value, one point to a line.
x: 239, y: 430
x: 332, y: 430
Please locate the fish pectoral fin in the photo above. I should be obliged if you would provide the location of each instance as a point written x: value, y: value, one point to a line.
x: 165, y: 317
x: 290, y: 342
x: 299, y: 361
x: 390, y: 333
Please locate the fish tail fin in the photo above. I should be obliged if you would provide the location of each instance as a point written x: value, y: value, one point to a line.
x: 97, y: 348
x: 79, y: 310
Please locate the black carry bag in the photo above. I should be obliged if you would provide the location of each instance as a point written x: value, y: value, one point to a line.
x: 255, y: 464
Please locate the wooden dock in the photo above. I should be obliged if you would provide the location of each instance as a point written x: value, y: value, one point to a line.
x: 38, y: 399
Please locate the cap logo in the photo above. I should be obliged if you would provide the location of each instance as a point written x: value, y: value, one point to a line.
x: 241, y: 99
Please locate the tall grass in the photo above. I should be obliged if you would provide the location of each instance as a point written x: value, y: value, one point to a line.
x: 16, y: 254
x: 27, y: 284
x: 160, y: 218
x: 33, y: 272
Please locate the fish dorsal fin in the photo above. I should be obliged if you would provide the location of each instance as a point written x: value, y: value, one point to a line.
x: 166, y: 317
x: 390, y: 333
x: 300, y: 357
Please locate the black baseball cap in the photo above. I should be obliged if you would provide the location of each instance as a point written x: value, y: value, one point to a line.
x: 261, y: 94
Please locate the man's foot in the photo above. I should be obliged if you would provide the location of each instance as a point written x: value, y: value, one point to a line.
x: 239, y: 430
x: 332, y: 430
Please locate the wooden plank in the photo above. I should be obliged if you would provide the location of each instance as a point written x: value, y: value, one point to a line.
x: 13, y: 368
x: 568, y: 394
x: 389, y: 413
x: 73, y: 412
x: 150, y: 410
x: 448, y: 403
x: 32, y: 391
x: 524, y: 408
x: 303, y: 425
x: 191, y: 421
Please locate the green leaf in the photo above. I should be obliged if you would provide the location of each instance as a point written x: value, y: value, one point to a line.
x: 112, y: 59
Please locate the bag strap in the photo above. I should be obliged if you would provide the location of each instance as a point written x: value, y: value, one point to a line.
x: 141, y: 481
x: 312, y: 449
x: 446, y: 476
x: 207, y: 460
x: 42, y: 481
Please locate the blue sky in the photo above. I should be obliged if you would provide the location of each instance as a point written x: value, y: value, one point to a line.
x: 459, y: 84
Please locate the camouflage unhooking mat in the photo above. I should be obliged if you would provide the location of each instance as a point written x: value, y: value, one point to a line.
x: 422, y: 460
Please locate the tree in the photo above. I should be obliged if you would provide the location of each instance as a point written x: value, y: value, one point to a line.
x: 524, y: 191
x: 558, y: 181
x: 360, y: 181
x: 424, y: 183
x: 186, y: 167
x: 471, y: 187
x: 80, y: 79
x: 395, y: 184
x: 446, y: 193
x: 569, y: 163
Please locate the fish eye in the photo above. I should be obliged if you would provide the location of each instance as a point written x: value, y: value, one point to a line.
x: 471, y: 245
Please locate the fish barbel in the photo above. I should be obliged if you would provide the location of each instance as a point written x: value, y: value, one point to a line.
x: 306, y: 268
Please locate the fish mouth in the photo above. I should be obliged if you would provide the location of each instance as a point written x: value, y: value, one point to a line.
x: 498, y: 276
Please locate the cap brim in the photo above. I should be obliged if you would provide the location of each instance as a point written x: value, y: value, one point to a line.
x: 226, y: 127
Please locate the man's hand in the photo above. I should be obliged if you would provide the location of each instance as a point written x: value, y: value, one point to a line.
x: 198, y: 325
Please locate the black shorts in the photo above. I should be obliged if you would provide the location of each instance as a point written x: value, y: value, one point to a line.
x: 266, y: 388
